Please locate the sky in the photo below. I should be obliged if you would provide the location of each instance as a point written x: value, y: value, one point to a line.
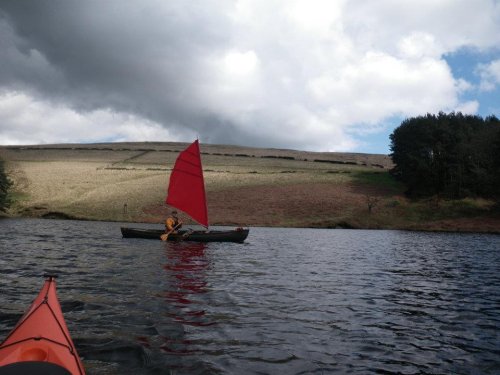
x: 312, y: 75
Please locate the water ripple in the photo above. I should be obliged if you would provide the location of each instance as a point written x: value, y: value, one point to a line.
x: 292, y: 301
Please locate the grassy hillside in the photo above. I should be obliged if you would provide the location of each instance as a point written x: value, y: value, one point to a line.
x: 245, y: 186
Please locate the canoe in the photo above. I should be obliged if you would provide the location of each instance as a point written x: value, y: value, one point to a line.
x: 236, y: 235
x: 186, y: 192
x: 40, y: 342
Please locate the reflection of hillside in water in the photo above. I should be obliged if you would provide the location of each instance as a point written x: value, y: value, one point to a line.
x: 185, y: 269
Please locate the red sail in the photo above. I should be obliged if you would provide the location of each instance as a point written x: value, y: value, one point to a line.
x: 186, y: 190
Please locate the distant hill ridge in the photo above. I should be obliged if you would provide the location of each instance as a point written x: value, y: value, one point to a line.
x: 373, y: 160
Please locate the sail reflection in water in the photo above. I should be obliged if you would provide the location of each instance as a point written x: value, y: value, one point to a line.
x: 289, y: 301
x: 185, y: 268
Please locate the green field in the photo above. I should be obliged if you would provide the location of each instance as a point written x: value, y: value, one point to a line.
x: 245, y: 186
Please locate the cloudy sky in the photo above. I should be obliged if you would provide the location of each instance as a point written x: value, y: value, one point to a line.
x: 320, y: 75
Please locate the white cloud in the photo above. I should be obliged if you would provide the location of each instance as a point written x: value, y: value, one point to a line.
x: 317, y: 17
x: 452, y: 23
x: 319, y: 75
x: 306, y: 74
x: 490, y: 75
x: 462, y: 85
x: 469, y: 107
x: 379, y: 85
x: 240, y: 63
x: 418, y: 45
x: 27, y: 120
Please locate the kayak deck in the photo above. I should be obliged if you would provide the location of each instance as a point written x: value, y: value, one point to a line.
x: 40, y: 342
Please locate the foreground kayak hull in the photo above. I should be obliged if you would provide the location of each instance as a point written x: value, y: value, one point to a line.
x: 237, y: 235
x: 40, y: 342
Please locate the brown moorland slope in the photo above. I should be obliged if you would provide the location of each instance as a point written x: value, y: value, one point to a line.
x: 245, y: 186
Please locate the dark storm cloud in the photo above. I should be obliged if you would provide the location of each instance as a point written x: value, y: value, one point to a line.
x: 134, y: 57
x: 294, y: 73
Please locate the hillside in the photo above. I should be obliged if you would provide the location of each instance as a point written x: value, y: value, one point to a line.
x: 245, y: 186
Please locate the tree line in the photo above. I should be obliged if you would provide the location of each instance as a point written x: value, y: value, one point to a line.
x: 4, y: 188
x: 448, y: 155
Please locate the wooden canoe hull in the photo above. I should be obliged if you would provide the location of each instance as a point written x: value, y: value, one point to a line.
x: 236, y: 235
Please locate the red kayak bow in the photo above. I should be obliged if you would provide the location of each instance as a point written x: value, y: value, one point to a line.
x: 40, y: 342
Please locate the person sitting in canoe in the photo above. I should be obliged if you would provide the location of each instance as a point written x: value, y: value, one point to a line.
x: 173, y: 223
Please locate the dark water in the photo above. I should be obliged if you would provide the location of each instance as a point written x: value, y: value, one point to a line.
x: 288, y: 301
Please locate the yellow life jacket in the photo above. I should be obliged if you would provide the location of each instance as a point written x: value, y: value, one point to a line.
x: 171, y: 223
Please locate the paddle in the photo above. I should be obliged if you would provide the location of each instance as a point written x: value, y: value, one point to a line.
x: 164, y: 236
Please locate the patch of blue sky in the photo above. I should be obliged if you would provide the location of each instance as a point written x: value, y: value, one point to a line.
x: 467, y: 64
x: 378, y: 140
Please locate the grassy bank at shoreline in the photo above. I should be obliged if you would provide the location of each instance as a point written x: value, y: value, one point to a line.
x: 245, y: 186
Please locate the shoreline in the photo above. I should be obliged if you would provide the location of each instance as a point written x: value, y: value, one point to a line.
x: 62, y: 216
x: 247, y: 187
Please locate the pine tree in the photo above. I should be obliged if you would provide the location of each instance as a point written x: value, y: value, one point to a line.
x: 447, y: 155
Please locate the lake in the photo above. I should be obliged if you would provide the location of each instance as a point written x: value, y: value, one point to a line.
x: 287, y: 301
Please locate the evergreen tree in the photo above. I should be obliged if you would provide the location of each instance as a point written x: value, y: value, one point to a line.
x: 4, y: 188
x: 412, y: 155
x: 450, y: 155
